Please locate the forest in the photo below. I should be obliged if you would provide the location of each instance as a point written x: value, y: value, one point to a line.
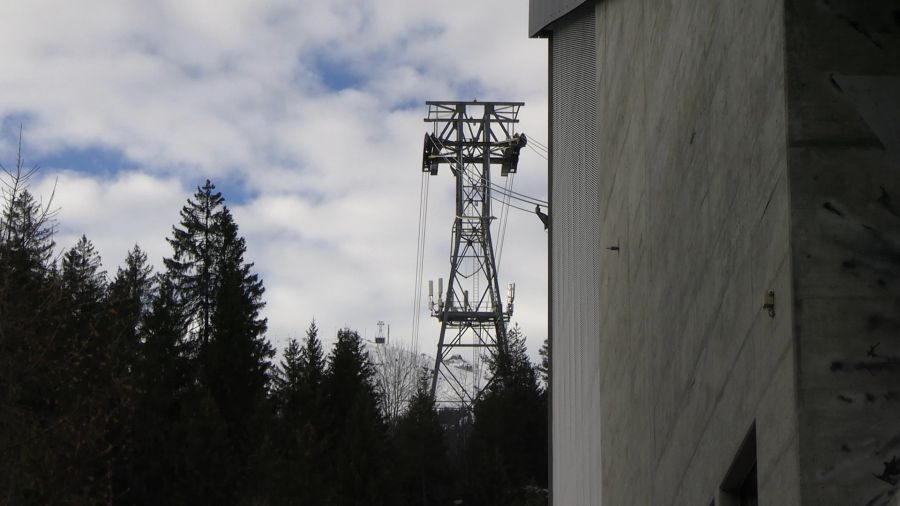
x: 146, y: 387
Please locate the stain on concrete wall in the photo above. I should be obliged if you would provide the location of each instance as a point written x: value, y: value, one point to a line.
x: 843, y: 67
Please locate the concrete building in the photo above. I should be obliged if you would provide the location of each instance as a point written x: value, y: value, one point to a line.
x: 710, y: 158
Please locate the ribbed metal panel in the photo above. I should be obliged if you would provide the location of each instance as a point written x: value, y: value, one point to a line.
x: 575, y: 273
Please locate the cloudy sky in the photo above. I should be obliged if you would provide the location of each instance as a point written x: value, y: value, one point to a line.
x: 306, y: 114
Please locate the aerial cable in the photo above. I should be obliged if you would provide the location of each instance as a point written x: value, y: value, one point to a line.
x: 509, y: 193
x: 504, y: 211
x: 422, y: 263
x: 521, y: 197
x: 504, y: 219
x: 529, y: 211
x: 540, y: 154
x: 419, y: 259
x: 539, y: 147
x: 538, y: 143
x: 420, y: 253
x: 509, y: 184
x: 473, y: 181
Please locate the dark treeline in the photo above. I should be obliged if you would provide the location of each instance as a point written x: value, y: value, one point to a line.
x: 152, y: 388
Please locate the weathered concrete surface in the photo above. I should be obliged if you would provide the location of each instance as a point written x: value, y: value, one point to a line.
x: 843, y: 67
x: 741, y: 147
x: 694, y: 189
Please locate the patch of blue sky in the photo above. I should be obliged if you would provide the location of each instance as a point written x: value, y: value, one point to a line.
x: 107, y: 163
x: 94, y: 160
x: 234, y: 189
x: 337, y: 74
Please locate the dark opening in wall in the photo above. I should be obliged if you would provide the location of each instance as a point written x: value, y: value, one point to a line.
x: 739, y: 488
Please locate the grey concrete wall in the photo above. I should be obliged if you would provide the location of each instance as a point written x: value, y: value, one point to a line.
x: 741, y: 147
x: 843, y: 65
x: 694, y: 190
x: 692, y: 187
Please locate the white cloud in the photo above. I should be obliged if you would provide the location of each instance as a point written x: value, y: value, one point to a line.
x: 233, y: 91
x: 115, y: 213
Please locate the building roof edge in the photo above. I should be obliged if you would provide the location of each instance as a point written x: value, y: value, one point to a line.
x: 543, y: 13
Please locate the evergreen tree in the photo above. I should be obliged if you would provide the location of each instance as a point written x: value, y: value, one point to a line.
x: 127, y: 304
x: 508, y: 444
x: 196, y: 244
x: 544, y: 368
x: 26, y: 232
x: 236, y: 362
x: 299, y: 452
x: 299, y: 378
x: 312, y: 359
x: 222, y: 299
x: 130, y: 294
x: 420, y: 461
x: 287, y: 380
x: 98, y: 395
x: 83, y: 278
x: 165, y: 389
x: 355, y: 430
x: 34, y: 369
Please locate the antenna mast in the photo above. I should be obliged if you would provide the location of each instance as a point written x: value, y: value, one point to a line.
x: 470, y: 137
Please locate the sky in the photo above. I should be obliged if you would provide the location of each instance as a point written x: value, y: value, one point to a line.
x: 307, y: 115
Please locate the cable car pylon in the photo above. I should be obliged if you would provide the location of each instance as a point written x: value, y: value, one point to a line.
x: 470, y: 137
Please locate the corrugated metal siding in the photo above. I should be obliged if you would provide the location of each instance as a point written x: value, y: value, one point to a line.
x: 575, y: 269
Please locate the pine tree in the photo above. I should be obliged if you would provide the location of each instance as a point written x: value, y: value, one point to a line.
x: 196, y: 244
x: 355, y: 429
x: 287, y: 380
x: 26, y: 227
x: 312, y: 359
x: 298, y: 450
x: 236, y: 362
x: 129, y: 296
x: 166, y: 392
x: 34, y: 369
x: 27, y: 232
x: 165, y: 353
x: 508, y: 444
x: 420, y: 455
x: 99, y: 393
x: 544, y: 368
x: 128, y: 302
x: 222, y: 300
x: 83, y: 278
x: 298, y: 379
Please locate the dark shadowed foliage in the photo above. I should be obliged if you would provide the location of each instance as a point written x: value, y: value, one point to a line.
x: 159, y: 388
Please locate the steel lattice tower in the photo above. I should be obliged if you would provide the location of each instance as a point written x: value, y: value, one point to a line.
x: 470, y: 137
